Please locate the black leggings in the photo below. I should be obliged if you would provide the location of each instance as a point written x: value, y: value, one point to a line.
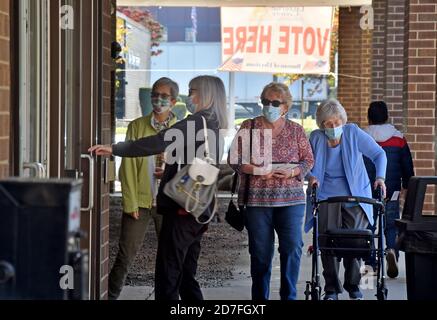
x: 176, y: 261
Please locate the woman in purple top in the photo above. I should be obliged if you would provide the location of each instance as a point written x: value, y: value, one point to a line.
x: 276, y: 200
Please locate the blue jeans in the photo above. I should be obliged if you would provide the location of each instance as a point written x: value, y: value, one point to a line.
x: 391, y: 231
x: 261, y: 223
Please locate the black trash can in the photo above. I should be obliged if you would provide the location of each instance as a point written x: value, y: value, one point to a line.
x: 421, y: 264
x: 418, y: 239
x: 40, y: 257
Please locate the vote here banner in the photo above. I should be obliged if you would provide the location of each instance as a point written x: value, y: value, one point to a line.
x: 276, y: 40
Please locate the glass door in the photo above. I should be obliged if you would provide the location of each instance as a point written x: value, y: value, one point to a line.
x: 58, y: 105
x: 79, y: 98
x: 33, y: 82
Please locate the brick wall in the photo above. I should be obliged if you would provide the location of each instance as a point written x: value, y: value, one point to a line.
x: 394, y: 62
x: 354, y: 65
x: 387, y: 57
x: 108, y: 36
x: 4, y: 88
x: 378, y: 49
x: 420, y: 54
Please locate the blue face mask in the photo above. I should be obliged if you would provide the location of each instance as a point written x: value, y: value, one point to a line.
x: 334, y: 133
x: 191, y: 107
x: 272, y: 114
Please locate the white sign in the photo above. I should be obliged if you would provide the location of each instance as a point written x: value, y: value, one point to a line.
x: 277, y: 40
x: 66, y: 21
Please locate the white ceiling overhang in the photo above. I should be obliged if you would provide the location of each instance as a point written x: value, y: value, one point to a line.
x: 243, y: 3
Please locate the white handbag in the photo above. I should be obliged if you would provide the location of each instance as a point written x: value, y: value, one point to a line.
x: 194, y: 186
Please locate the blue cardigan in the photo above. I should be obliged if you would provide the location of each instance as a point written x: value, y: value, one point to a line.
x: 354, y: 144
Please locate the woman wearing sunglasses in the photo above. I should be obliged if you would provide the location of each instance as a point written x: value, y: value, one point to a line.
x: 275, y: 199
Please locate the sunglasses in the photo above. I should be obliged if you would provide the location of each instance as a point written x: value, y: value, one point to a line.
x: 162, y: 95
x: 275, y: 103
x: 190, y: 92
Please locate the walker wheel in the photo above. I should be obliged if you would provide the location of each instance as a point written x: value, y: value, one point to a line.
x: 315, y: 294
x: 381, y: 295
x: 307, y: 291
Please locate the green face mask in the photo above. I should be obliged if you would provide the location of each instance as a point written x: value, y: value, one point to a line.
x: 161, y: 105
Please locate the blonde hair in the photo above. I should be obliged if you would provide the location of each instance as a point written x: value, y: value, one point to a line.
x: 280, y: 88
x: 212, y: 95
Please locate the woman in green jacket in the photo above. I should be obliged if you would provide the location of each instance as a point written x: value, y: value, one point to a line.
x: 139, y: 179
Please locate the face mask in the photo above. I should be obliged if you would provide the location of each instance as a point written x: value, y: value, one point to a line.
x: 161, y: 105
x: 334, y: 133
x: 191, y: 107
x: 272, y: 114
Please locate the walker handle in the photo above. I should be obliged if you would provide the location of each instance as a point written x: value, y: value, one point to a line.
x: 378, y: 192
x: 353, y: 199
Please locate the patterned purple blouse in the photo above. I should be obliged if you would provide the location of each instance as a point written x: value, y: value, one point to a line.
x: 289, y: 146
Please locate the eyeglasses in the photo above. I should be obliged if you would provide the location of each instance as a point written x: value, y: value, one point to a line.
x: 190, y: 91
x: 275, y: 103
x: 162, y: 95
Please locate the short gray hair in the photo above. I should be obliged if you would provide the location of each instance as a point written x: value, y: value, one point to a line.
x: 328, y: 109
x: 212, y: 95
x: 174, y: 88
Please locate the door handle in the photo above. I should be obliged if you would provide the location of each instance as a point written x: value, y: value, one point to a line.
x: 39, y: 169
x: 90, y: 183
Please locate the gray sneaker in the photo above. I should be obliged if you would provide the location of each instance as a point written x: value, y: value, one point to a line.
x: 392, y: 264
x: 354, y: 292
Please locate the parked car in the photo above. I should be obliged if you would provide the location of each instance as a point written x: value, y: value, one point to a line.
x: 295, y: 112
x: 244, y: 111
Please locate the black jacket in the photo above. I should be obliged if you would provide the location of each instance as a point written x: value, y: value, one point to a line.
x: 183, y: 144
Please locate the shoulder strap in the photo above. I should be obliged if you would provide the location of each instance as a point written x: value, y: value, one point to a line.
x: 246, y: 187
x: 235, y: 180
x: 205, y: 134
x: 234, y: 184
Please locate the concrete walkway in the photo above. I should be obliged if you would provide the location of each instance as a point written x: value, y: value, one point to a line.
x: 240, y: 287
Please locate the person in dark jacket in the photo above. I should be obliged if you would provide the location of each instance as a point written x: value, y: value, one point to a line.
x: 399, y: 170
x: 179, y: 241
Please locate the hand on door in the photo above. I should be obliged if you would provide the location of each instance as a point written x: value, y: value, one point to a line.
x: 101, y: 150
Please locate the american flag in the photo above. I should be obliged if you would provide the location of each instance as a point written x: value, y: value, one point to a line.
x: 311, y: 65
x: 194, y: 19
x: 234, y: 63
